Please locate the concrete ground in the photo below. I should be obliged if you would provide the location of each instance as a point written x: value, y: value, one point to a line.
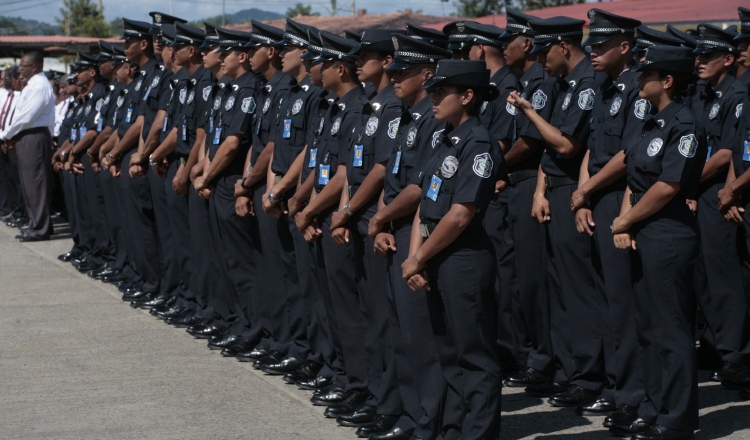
x: 78, y: 363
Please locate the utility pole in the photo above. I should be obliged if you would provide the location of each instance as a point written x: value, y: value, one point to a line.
x: 171, y: 12
x: 70, y: 14
x: 354, y: 8
x: 223, y: 14
x: 334, y: 11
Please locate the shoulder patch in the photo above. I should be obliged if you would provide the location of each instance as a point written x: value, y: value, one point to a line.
x: 483, y: 165
x: 372, y: 126
x: 641, y: 108
x: 538, y: 99
x: 738, y: 111
x: 230, y: 102
x: 393, y: 128
x: 206, y: 93
x: 688, y: 145
x: 297, y: 106
x: 248, y: 105
x: 449, y: 167
x: 586, y: 99
x: 436, y: 138
x: 336, y: 125
x: 654, y: 147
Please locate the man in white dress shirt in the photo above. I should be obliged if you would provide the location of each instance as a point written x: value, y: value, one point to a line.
x: 30, y: 133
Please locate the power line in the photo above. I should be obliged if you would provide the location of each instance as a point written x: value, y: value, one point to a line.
x: 32, y: 6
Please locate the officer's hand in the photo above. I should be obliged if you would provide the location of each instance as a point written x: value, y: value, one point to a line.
x: 375, y: 226
x: 199, y: 184
x: 578, y: 200
x: 293, y: 206
x: 196, y: 171
x: 515, y: 99
x: 734, y: 214
x: 726, y: 198
x: 55, y: 156
x: 500, y: 186
x: 540, y: 208
x: 303, y: 219
x: 620, y: 225
x: 135, y: 170
x: 4, y: 149
x: 162, y: 168
x: 239, y: 190
x: 95, y: 166
x: 419, y: 282
x: 180, y: 182
x: 693, y: 205
x: 340, y: 236
x: 66, y: 166
x: 207, y: 192
x: 57, y: 166
x: 243, y: 206
x: 339, y: 219
x: 384, y: 243
x: 585, y: 221
x: 624, y: 241
x: 10, y: 144
x: 312, y: 233
x: 106, y: 162
x: 411, y: 267
x: 115, y: 170
x: 76, y: 167
x: 275, y: 211
x: 136, y: 158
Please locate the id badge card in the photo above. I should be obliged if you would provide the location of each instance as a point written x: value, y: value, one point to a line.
x: 211, y: 124
x: 325, y: 174
x: 434, y: 190
x: 184, y: 132
x: 357, y: 162
x: 287, y: 128
x: 99, y: 124
x: 313, y: 158
x: 73, y: 133
x: 129, y: 116
x: 710, y: 150
x: 148, y: 90
x: 746, y: 152
x: 217, y: 136
x: 164, y: 127
x: 83, y: 130
x: 397, y: 163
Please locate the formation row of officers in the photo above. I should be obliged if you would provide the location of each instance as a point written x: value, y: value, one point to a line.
x: 398, y: 219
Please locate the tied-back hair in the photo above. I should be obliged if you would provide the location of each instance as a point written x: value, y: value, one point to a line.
x: 481, y: 95
x: 684, y: 84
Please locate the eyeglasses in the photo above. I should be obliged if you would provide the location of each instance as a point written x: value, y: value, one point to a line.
x: 26, y: 66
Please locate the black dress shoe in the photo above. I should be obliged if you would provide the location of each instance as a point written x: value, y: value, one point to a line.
x: 307, y: 371
x: 316, y: 383
x: 332, y: 397
x: 207, y: 331
x: 273, y: 357
x: 223, y: 341
x: 573, y: 396
x: 157, y: 301
x: 165, y: 311
x: 395, y: 433
x: 381, y: 423
x: 600, y: 407
x: 137, y: 295
x: 187, y: 320
x: 739, y: 381
x: 622, y: 417
x: 69, y: 256
x: 105, y: 272
x: 545, y: 389
x: 165, y: 306
x: 30, y: 239
x: 88, y: 267
x: 352, y: 400
x: 287, y: 365
x: 80, y: 260
x: 242, y: 345
x: 360, y: 416
x: 658, y: 432
x: 252, y: 355
x: 636, y: 426
x: 527, y: 376
x: 115, y: 278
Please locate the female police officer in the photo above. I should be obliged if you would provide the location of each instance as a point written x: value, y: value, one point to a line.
x: 664, y: 167
x: 451, y: 251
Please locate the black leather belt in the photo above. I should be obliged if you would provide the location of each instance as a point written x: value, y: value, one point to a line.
x: 555, y: 182
x: 351, y: 190
x: 426, y: 229
x: 395, y: 225
x: 635, y: 198
x: 520, y: 176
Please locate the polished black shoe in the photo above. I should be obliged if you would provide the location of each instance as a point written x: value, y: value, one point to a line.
x: 104, y: 272
x: 360, y: 416
x: 600, y: 407
x: 395, y: 433
x: 273, y: 357
x: 658, y: 432
x: 137, y: 295
x: 622, y: 417
x: 738, y: 382
x: 222, y: 341
x: 89, y: 266
x: 381, y: 423
x: 80, y: 260
x: 352, y: 400
x: 239, y: 346
x: 527, y: 376
x: 287, y: 365
x: 207, y: 331
x: 165, y: 306
x: 116, y: 278
x: 165, y: 311
x: 333, y: 396
x: 573, y: 396
x: 187, y: 320
x: 636, y: 426
x: 545, y: 389
x: 316, y: 383
x: 306, y: 372
x: 23, y: 238
x: 69, y: 256
x: 252, y: 355
x: 157, y: 301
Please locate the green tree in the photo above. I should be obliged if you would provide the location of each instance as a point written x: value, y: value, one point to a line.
x: 116, y: 27
x: 8, y: 27
x: 216, y: 21
x: 83, y: 18
x: 300, y: 9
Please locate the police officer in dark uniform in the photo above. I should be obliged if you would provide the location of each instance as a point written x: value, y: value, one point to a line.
x: 159, y: 19
x: 718, y: 274
x: 450, y: 251
x: 523, y: 163
x: 743, y: 45
x: 646, y: 37
x: 415, y: 353
x: 576, y: 337
x: 664, y: 167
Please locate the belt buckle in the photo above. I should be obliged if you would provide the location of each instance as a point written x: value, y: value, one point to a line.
x: 548, y: 182
x: 423, y: 230
x: 510, y: 179
x: 392, y: 226
x: 349, y: 191
x: 276, y: 178
x: 633, y: 200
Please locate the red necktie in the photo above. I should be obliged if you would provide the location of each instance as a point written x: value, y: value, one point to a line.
x: 4, y: 115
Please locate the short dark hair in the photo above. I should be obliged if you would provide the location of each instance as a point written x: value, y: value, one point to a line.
x: 36, y: 58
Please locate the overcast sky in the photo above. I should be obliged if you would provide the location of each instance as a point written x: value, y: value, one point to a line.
x: 47, y: 10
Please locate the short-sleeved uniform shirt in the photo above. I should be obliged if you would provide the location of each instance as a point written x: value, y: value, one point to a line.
x: 618, y: 116
x: 77, y: 119
x: 343, y: 117
x: 123, y: 114
x: 152, y: 93
x: 741, y: 145
x: 106, y: 114
x: 289, y: 132
x: 419, y: 134
x: 176, y: 85
x: 541, y: 90
x: 218, y: 90
x: 272, y: 97
x: 493, y: 114
x: 190, y: 112
x: 70, y: 120
x: 316, y: 130
x: 91, y: 111
x: 463, y: 169
x: 670, y: 149
x: 572, y: 116
x: 235, y: 116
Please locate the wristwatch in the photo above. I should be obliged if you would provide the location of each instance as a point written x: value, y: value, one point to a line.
x: 242, y: 184
x: 151, y: 162
x: 112, y: 157
x: 272, y: 198
x: 64, y: 154
x: 346, y: 209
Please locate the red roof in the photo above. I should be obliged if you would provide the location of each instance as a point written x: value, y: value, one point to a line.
x: 651, y: 12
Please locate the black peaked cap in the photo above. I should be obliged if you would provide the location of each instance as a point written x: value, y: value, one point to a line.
x: 265, y: 35
x: 432, y: 36
x: 669, y: 59
x: 554, y: 30
x: 409, y: 52
x: 335, y: 48
x: 517, y: 23
x: 604, y: 26
x: 462, y: 73
x: 713, y: 39
x: 186, y: 34
x: 378, y: 40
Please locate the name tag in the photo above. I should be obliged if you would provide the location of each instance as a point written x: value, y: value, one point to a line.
x: 325, y: 174
x: 148, y: 90
x: 211, y: 124
x: 99, y: 124
x: 313, y: 158
x: 434, y: 190
x: 129, y: 116
x: 164, y: 127
x: 287, y: 128
x: 184, y: 132
x: 217, y: 136
x: 357, y: 162
x: 746, y: 154
x: 708, y: 156
x: 397, y: 163
x: 83, y: 131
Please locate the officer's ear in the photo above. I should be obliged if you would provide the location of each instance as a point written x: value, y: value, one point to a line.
x: 729, y: 60
x: 387, y: 61
x: 466, y: 97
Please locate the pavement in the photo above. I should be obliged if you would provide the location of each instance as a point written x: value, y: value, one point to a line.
x: 78, y: 363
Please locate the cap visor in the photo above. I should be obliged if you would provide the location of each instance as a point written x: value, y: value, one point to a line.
x: 309, y: 55
x: 598, y: 39
x: 700, y: 50
x: 539, y: 47
x: 507, y: 35
x: 400, y: 66
x: 742, y: 36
